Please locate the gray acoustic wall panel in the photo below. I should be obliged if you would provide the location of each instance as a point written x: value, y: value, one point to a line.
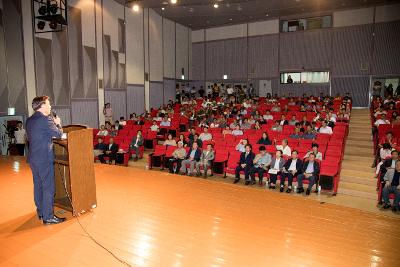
x: 85, y: 112
x: 308, y: 49
x: 235, y: 58
x: 121, y: 76
x: 89, y: 72
x: 64, y: 113
x: 43, y: 65
x: 107, y: 61
x: 357, y: 86
x: 215, y: 60
x: 198, y: 61
x: 169, y: 90
x: 75, y: 52
x: 135, y: 99
x: 3, y: 68
x: 387, y: 48
x: 14, y: 55
x: 263, y: 56
x: 114, y: 69
x: 156, y: 94
x: 351, y: 50
x: 117, y: 99
x: 60, y: 69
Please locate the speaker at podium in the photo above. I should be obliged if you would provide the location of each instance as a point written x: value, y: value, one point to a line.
x: 74, y: 170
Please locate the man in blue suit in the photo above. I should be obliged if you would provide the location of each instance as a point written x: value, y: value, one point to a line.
x: 245, y: 164
x: 41, y: 128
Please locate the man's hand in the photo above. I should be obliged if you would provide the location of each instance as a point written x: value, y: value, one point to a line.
x: 243, y: 165
x: 57, y: 120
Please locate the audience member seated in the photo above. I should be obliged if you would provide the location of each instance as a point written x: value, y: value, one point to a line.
x: 191, y: 158
x: 136, y: 143
x: 310, y: 171
x: 110, y: 152
x: 237, y: 131
x: 298, y: 133
x: 154, y: 127
x: 276, y: 127
x: 226, y: 131
x: 309, y: 133
x: 267, y: 116
x: 290, y: 170
x: 99, y: 148
x: 207, y: 156
x: 275, y: 169
x: 192, y: 134
x: 178, y: 156
x: 170, y: 141
x: 293, y: 120
x: 245, y: 125
x: 381, y: 120
x: 314, y: 150
x: 286, y: 150
x: 122, y: 121
x: 264, y: 140
x: 261, y: 162
x: 205, y: 135
x: 283, y: 120
x: 241, y: 146
x: 103, y: 131
x: 113, y: 132
x: 391, y: 186
x: 389, y: 163
x: 245, y: 164
x: 384, y: 153
x: 196, y: 140
x: 183, y: 140
x: 325, y: 129
x: 165, y: 122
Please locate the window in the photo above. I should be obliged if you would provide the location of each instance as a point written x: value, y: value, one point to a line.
x: 305, y: 77
x: 295, y: 25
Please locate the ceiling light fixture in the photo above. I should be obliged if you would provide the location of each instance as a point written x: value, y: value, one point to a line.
x: 135, y: 7
x: 163, y: 8
x: 173, y: 1
x: 216, y: 5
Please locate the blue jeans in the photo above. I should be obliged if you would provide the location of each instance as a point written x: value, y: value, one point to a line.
x: 387, y: 190
x: 44, y: 188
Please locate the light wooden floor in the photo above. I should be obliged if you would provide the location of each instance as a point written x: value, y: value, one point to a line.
x: 150, y: 218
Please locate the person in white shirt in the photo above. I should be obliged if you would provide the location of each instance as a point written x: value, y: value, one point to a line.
x: 165, y: 122
x: 325, y: 129
x: 286, y: 150
x: 20, y: 139
x: 205, y: 135
x: 154, y: 127
x: 314, y: 150
x: 382, y: 120
x: 122, y: 121
x: 242, y: 145
x: 229, y: 91
x: 267, y: 116
x: 237, y: 131
x: 103, y: 131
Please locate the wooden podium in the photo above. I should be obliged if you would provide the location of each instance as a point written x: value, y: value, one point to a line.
x: 74, y: 162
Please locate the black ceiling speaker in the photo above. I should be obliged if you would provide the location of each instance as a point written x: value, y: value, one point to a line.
x: 41, y: 24
x: 53, y: 12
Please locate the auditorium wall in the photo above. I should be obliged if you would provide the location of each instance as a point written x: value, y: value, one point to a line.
x: 104, y: 55
x: 362, y: 44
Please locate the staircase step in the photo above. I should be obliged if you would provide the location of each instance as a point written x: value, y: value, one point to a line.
x: 358, y: 180
x: 358, y: 187
x: 356, y: 193
x: 363, y: 173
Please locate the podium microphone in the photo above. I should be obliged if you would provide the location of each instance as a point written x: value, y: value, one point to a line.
x: 54, y: 114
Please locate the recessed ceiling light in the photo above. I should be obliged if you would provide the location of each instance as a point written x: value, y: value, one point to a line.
x: 163, y: 8
x: 230, y: 19
x: 173, y: 1
x: 216, y: 5
x: 266, y: 15
x: 135, y: 7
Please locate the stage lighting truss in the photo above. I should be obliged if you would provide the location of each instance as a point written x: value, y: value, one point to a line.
x: 49, y: 15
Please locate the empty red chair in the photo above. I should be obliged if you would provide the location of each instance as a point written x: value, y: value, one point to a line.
x: 233, y: 160
x: 157, y: 156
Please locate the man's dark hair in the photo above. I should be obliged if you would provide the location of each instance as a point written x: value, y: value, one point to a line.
x: 314, y: 145
x: 38, y: 101
x: 261, y: 148
x: 395, y: 151
x: 248, y: 145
